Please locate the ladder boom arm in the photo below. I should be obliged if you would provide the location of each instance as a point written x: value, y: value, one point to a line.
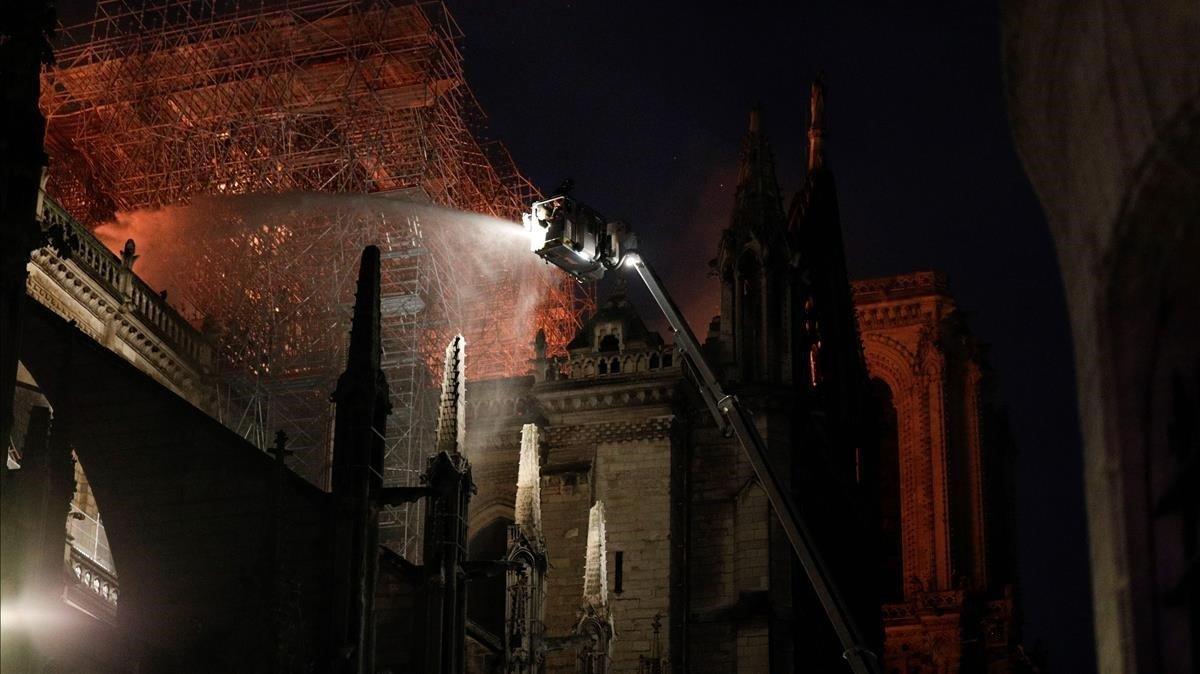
x: 733, y: 419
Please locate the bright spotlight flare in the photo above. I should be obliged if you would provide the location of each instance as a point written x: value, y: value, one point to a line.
x: 575, y: 238
x: 579, y: 240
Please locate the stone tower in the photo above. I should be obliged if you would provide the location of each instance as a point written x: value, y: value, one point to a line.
x: 752, y: 262
x: 694, y: 554
x: 946, y: 470
x: 791, y: 351
x: 825, y: 340
x: 834, y: 447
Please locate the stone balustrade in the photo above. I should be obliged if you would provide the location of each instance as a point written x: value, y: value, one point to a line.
x: 602, y: 364
x: 78, y: 278
x: 90, y: 586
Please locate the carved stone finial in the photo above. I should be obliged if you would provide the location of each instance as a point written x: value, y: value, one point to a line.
x: 595, y: 622
x: 528, y: 507
x: 452, y: 412
x: 595, y: 570
x: 279, y: 450
x: 365, y: 350
x: 129, y: 254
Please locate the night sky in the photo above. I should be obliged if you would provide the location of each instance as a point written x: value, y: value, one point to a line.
x: 645, y: 104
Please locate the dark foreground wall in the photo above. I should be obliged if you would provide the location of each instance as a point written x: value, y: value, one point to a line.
x: 222, y: 554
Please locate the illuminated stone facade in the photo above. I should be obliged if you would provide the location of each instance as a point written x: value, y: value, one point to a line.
x: 945, y: 500
x: 612, y: 437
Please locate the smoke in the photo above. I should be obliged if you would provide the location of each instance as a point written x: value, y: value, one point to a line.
x: 173, y: 234
x: 158, y: 235
x: 695, y: 288
x: 261, y: 266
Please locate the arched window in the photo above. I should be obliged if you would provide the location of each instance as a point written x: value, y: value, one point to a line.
x: 891, y: 560
x: 602, y: 366
x: 485, y: 601
x: 654, y: 361
x: 749, y: 325
x: 609, y: 344
x: 616, y: 366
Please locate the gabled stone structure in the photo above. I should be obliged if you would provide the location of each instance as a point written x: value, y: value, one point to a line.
x: 789, y: 347
x: 604, y: 437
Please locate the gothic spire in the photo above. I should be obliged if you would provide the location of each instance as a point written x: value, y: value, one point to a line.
x: 452, y: 410
x: 528, y: 509
x: 364, y: 353
x: 832, y: 344
x: 595, y: 570
x: 816, y: 125
x: 358, y: 450
x: 758, y: 205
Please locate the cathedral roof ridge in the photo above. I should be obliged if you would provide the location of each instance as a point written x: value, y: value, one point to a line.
x: 615, y: 309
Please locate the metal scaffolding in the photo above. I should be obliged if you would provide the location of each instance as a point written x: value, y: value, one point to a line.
x: 159, y: 102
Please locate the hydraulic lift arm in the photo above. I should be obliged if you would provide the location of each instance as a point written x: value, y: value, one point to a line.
x: 734, y: 419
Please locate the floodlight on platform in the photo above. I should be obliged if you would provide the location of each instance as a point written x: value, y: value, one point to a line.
x: 575, y: 237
